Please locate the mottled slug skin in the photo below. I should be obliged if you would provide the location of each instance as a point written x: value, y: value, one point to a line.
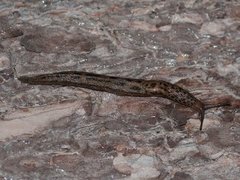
x: 120, y: 86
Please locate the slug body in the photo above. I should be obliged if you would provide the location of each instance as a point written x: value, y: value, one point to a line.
x: 120, y: 86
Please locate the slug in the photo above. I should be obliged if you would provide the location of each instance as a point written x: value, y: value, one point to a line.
x: 122, y: 87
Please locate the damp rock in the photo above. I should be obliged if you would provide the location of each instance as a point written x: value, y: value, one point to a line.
x: 50, y: 40
x: 66, y: 161
x: 182, y: 176
x: 8, y: 29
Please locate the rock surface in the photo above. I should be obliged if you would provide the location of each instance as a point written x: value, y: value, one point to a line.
x: 53, y: 132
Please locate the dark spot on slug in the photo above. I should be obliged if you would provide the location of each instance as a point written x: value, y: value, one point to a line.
x: 113, y: 77
x: 58, y: 75
x: 178, y: 90
x: 42, y: 77
x: 153, y: 85
x: 135, y: 88
x: 130, y: 80
x: 90, y: 78
x: 120, y: 83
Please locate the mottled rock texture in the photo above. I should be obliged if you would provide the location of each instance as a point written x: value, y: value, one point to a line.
x: 53, y: 132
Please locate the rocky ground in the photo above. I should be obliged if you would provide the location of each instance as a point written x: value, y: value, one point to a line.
x: 53, y: 132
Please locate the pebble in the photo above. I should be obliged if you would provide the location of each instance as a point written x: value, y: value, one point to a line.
x: 4, y: 62
x: 183, y: 150
x: 137, y: 166
x: 192, y: 18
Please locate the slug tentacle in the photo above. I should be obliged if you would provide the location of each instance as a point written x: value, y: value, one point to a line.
x: 120, y: 86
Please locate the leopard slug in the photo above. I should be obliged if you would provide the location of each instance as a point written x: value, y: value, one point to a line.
x: 121, y: 86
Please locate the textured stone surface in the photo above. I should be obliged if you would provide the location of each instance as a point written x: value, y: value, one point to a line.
x: 52, y: 132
